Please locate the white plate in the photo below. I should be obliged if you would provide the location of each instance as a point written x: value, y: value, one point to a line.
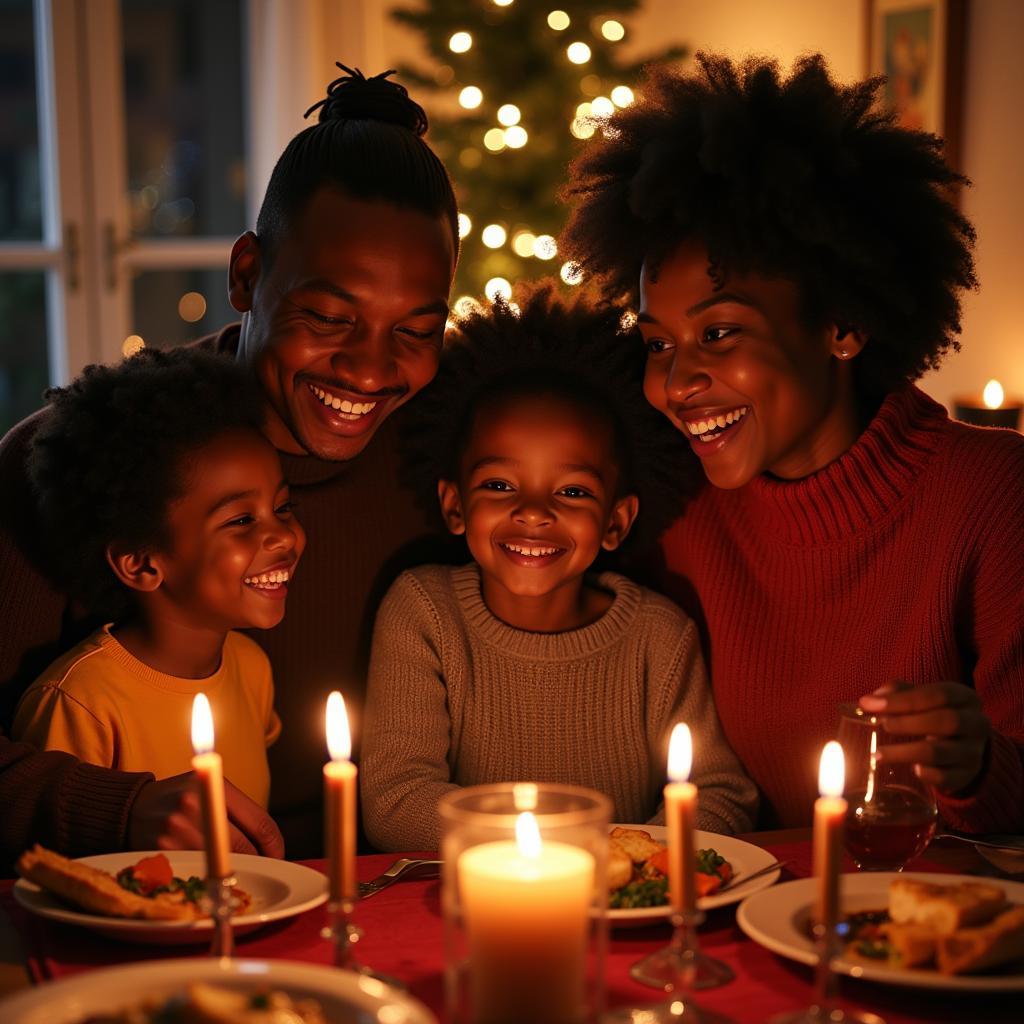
x: 745, y: 858
x: 778, y: 921
x: 346, y: 998
x: 278, y: 889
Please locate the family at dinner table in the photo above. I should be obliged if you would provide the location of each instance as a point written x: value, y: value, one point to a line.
x: 527, y: 537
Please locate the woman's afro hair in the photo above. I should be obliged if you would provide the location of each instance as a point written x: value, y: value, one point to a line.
x: 543, y: 344
x: 111, y: 455
x: 798, y: 177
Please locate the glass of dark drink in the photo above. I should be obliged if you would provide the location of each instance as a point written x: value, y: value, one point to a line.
x: 891, y: 813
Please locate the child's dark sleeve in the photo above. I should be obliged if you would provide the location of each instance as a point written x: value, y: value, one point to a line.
x: 53, y: 798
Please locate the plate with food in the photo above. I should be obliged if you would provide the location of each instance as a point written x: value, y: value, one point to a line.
x: 921, y: 930
x: 158, y: 897
x: 216, y: 992
x: 638, y: 865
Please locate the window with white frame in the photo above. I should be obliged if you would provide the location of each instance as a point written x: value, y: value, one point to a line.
x: 122, y: 180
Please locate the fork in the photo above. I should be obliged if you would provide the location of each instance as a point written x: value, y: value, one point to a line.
x: 740, y: 879
x: 404, y: 867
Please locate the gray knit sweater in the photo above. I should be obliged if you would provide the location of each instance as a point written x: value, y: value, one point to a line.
x: 456, y: 698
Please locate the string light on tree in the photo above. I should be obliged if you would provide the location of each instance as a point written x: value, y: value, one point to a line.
x: 516, y: 136
x: 612, y: 30
x: 493, y: 236
x: 523, y: 243
x: 509, y: 114
x: 465, y: 225
x: 578, y: 53
x: 497, y: 287
x: 622, y: 96
x: 501, y: 90
x: 571, y: 273
x: 545, y: 247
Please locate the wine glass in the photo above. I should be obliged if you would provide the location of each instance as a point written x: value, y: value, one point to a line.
x: 892, y: 813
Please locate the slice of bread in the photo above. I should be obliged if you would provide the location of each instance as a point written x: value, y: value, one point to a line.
x: 620, y: 868
x: 635, y: 843
x: 979, y: 949
x: 944, y: 908
x: 89, y: 889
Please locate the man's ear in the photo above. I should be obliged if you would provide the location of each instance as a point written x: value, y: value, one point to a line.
x: 243, y: 270
x: 135, y: 569
x: 846, y: 342
x: 451, y: 506
x: 621, y: 521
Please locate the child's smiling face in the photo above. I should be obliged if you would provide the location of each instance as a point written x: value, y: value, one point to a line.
x: 537, y: 498
x: 233, y: 540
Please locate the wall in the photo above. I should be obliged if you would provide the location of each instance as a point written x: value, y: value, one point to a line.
x: 993, y: 334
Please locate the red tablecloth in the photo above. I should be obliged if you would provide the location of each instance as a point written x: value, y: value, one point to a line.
x: 402, y: 927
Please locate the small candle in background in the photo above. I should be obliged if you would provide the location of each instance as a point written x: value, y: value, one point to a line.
x: 992, y: 409
x: 681, y: 819
x: 340, y: 797
x: 526, y: 907
x: 209, y: 771
x: 829, y: 812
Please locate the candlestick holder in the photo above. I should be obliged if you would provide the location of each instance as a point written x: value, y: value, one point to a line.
x: 682, y: 958
x: 523, y: 897
x: 344, y: 935
x: 220, y: 895
x: 825, y: 1009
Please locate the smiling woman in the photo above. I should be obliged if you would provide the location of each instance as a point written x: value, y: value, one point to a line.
x: 798, y: 263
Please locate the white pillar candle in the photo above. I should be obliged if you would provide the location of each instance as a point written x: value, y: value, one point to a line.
x: 526, y: 910
x: 209, y: 769
x: 340, y: 799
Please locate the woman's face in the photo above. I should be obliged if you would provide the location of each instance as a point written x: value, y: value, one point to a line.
x: 740, y: 374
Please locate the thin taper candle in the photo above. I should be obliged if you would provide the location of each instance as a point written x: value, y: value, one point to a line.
x: 340, y: 796
x: 209, y: 769
x: 681, y: 819
x: 829, y: 812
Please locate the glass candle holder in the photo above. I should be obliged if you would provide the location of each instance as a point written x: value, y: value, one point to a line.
x: 523, y: 896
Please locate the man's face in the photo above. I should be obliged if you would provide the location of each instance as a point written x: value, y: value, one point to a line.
x: 346, y: 323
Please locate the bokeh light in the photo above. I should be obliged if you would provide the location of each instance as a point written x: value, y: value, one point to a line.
x: 132, y: 345
x: 582, y: 128
x: 471, y: 97
x: 508, y: 114
x: 497, y: 286
x: 494, y: 140
x: 578, y: 53
x: 545, y: 248
x: 622, y: 96
x: 571, y: 272
x: 516, y: 136
x: 523, y: 243
x: 493, y: 236
x: 464, y: 305
x: 191, y: 307
x: 558, y: 20
x: 612, y: 30
x: 460, y: 42
x: 602, y: 107
x: 465, y: 225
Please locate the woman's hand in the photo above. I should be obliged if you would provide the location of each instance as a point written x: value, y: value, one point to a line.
x: 948, y: 716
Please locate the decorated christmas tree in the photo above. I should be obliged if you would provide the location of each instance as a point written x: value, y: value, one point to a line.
x: 517, y: 86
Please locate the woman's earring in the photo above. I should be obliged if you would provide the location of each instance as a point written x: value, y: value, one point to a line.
x: 843, y: 354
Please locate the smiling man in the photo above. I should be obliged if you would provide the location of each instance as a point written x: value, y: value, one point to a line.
x: 343, y: 292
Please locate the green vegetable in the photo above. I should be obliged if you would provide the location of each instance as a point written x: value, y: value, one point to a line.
x: 709, y: 862
x: 648, y: 892
x: 874, y: 949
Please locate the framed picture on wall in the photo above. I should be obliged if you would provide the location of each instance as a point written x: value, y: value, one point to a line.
x: 919, y: 46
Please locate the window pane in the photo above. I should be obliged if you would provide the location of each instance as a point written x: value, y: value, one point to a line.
x: 24, y: 369
x: 184, y: 116
x: 170, y: 307
x: 20, y: 208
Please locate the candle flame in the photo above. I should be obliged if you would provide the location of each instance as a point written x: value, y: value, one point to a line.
x: 339, y: 738
x: 831, y: 770
x: 528, y: 835
x: 993, y: 394
x: 680, y: 753
x: 202, y: 724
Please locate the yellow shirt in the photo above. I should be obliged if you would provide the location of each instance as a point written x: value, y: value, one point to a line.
x: 103, y: 705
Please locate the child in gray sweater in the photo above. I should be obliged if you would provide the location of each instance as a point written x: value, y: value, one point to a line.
x: 528, y: 663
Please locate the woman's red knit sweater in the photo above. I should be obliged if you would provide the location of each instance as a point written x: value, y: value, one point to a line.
x: 903, y: 559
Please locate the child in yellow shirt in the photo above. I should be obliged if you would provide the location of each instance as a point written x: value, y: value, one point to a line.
x: 167, y: 514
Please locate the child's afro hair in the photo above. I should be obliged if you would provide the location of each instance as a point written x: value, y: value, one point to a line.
x: 111, y: 453
x: 798, y: 177
x: 545, y: 344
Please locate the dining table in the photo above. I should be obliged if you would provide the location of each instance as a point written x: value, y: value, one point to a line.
x: 403, y: 938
